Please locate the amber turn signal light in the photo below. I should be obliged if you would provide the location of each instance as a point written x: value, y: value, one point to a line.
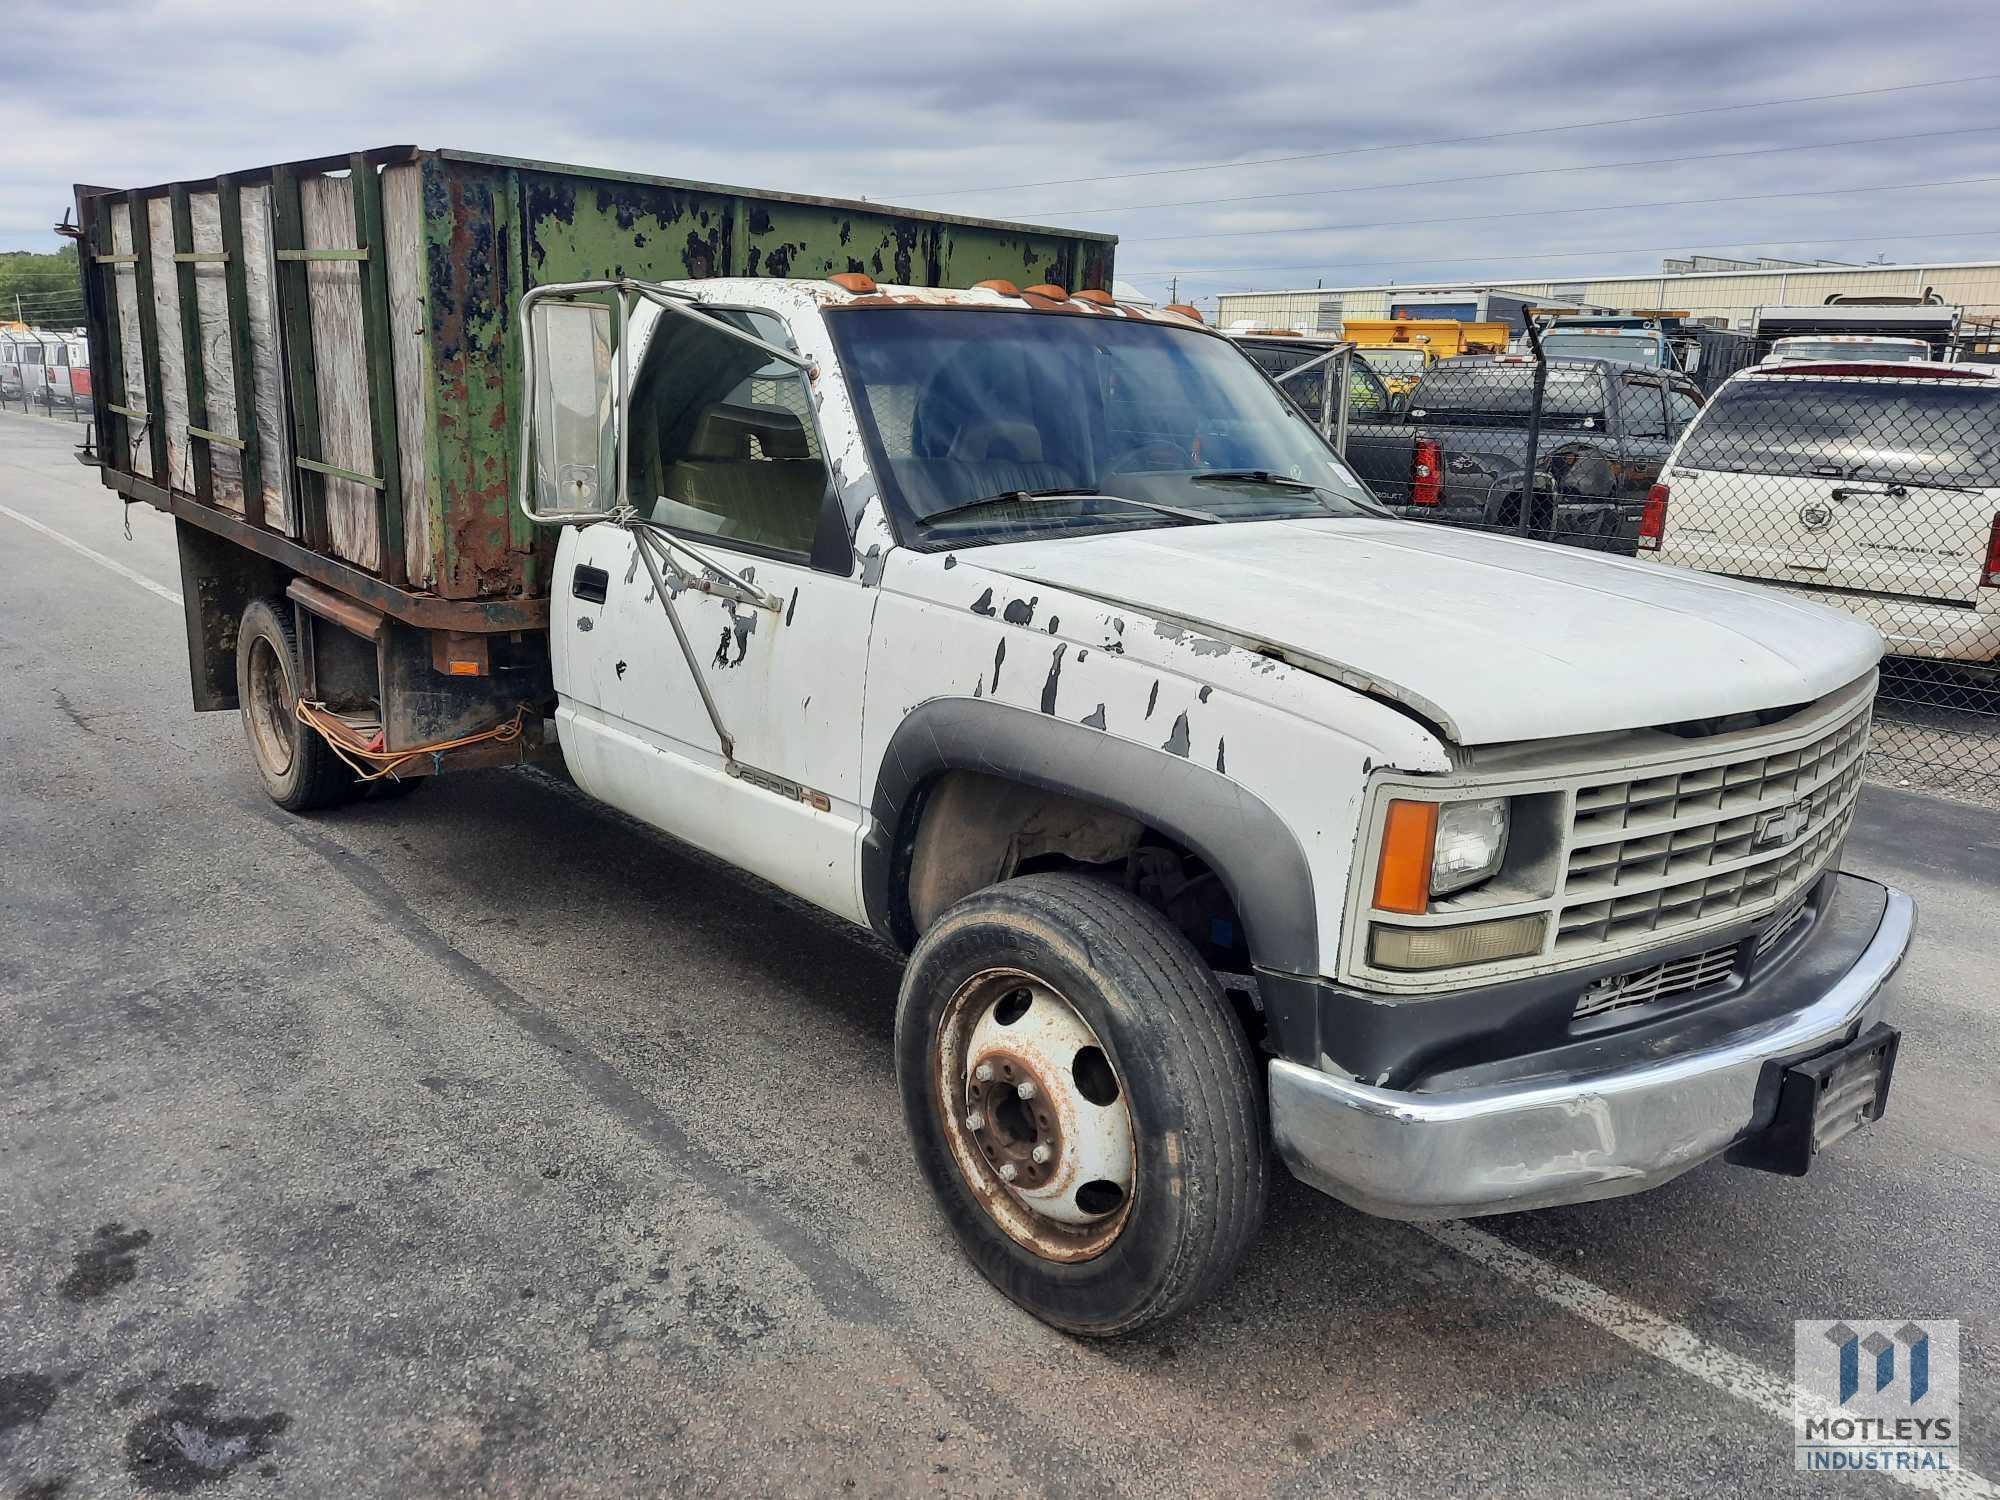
x: 1403, y: 873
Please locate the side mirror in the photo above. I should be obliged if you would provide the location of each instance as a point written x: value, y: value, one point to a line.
x: 573, y: 444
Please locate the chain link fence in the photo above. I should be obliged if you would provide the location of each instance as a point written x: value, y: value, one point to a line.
x: 1855, y: 476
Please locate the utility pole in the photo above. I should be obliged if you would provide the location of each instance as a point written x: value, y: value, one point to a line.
x: 1173, y: 294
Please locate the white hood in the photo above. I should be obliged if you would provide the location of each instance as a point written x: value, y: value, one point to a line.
x: 1491, y: 638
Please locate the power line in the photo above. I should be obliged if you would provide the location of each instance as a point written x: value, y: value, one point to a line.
x: 1461, y: 140
x: 1600, y: 166
x: 1543, y: 213
x: 1206, y: 273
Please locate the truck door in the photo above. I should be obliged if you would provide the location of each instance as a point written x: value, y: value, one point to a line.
x: 724, y: 452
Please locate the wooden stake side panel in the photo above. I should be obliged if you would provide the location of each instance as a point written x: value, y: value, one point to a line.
x: 130, y: 347
x: 340, y: 369
x: 274, y: 438
x: 409, y: 331
x: 173, y: 418
x: 211, y: 295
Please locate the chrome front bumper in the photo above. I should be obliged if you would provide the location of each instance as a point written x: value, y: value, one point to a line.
x: 1565, y: 1138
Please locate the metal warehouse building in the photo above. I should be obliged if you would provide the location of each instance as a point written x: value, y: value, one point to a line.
x: 1700, y: 285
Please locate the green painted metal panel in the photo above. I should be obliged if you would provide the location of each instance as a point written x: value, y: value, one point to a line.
x: 473, y: 279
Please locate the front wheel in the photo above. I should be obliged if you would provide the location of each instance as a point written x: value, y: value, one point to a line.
x: 1083, y: 1102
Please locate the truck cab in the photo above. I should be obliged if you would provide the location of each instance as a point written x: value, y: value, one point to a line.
x: 1214, y: 804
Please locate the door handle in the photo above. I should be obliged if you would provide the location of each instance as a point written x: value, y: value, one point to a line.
x: 590, y: 583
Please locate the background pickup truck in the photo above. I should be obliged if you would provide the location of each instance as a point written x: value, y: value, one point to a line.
x: 1455, y: 452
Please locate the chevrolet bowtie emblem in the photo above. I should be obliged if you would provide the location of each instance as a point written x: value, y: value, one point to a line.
x: 1780, y: 827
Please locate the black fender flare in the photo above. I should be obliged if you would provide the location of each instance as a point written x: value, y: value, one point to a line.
x: 1251, y: 849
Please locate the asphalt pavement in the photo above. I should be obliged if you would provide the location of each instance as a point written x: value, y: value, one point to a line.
x: 486, y: 1143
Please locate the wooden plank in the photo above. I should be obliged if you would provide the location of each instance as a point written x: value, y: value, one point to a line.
x: 192, y: 373
x: 351, y: 252
x: 273, y: 447
x: 242, y: 360
x: 139, y: 226
x: 114, y: 438
x: 340, y: 361
x: 295, y: 326
x: 210, y: 272
x: 368, y: 229
x: 409, y: 347
x: 171, y: 414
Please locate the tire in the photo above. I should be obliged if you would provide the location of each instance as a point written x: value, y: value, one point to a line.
x: 1179, y: 1066
x: 299, y: 770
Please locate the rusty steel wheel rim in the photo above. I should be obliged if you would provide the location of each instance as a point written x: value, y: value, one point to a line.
x: 270, y: 708
x: 1035, y: 1114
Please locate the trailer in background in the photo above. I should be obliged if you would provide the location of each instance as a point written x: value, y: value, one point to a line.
x: 1472, y: 305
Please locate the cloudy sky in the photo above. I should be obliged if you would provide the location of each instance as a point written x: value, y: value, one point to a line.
x: 1029, y: 112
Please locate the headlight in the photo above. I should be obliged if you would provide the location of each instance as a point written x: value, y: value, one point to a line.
x: 1432, y: 849
x: 1471, y: 842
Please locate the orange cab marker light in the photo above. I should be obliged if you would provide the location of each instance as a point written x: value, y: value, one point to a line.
x: 1091, y: 294
x: 1004, y: 288
x: 1049, y: 290
x: 465, y: 669
x: 1403, y: 876
x: 857, y: 282
x: 1184, y: 310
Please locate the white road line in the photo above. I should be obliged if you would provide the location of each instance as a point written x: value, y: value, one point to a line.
x: 95, y: 556
x: 1680, y: 1347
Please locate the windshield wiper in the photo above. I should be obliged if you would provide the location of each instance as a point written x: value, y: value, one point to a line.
x: 1259, y: 476
x: 1025, y: 497
x: 1318, y: 492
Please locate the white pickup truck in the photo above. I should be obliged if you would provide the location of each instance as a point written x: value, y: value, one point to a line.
x: 1217, y: 810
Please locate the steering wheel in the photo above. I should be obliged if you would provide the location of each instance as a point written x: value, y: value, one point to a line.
x: 1160, y: 453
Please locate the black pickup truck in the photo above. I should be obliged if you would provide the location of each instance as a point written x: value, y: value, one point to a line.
x: 1455, y: 451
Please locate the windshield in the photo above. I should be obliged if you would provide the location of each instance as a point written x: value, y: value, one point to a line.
x: 1880, y: 350
x: 1890, y: 432
x: 1631, y: 348
x: 961, y: 404
x: 1477, y: 389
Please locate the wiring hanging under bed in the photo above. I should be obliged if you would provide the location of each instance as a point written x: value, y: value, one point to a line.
x: 370, y: 762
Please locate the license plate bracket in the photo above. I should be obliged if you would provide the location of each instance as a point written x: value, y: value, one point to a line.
x: 1821, y: 1101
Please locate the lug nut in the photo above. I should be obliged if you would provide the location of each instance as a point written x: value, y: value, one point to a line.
x: 984, y: 1072
x: 1008, y: 1171
x: 1041, y: 1154
x: 1026, y: 1090
x: 975, y: 1121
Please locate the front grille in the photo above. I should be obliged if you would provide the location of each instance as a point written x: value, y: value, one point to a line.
x: 1686, y: 846
x: 1677, y: 976
x: 1783, y: 923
